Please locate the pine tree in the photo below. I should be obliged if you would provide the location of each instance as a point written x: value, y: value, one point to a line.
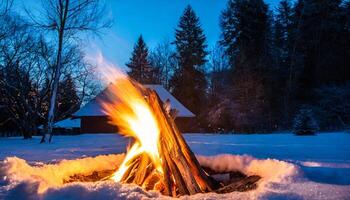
x: 18, y: 98
x: 68, y: 100
x: 283, y: 49
x: 283, y: 32
x: 141, y: 70
x: 320, y: 44
x: 188, y: 82
x: 244, y: 26
x: 163, y: 59
x: 245, y: 36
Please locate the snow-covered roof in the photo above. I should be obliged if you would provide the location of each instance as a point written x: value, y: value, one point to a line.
x: 68, y: 123
x: 94, y: 108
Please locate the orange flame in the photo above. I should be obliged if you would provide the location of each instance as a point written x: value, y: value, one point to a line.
x: 129, y: 110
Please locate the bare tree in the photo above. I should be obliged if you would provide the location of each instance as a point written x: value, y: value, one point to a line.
x: 82, y: 73
x: 67, y: 18
x: 163, y: 58
x: 18, y: 63
x: 27, y: 64
x: 218, y: 65
x: 5, y: 6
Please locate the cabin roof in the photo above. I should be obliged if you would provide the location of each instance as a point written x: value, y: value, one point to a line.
x: 94, y: 108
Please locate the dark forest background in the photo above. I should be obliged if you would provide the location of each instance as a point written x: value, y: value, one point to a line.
x: 270, y: 67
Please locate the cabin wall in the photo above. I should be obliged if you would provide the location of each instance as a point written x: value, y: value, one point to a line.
x: 66, y: 131
x: 97, y: 125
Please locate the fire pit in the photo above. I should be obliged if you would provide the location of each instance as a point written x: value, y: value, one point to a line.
x: 159, y: 158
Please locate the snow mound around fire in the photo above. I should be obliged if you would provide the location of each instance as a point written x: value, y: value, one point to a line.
x: 46, y: 181
x: 271, y: 170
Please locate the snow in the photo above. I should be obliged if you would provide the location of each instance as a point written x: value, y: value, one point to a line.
x: 292, y: 167
x: 93, y: 108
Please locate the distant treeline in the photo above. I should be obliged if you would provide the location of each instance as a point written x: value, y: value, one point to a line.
x: 269, y: 65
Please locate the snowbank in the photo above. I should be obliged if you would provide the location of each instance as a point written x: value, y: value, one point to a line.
x: 270, y: 170
x: 16, y: 170
x: 46, y: 181
x: 315, y: 167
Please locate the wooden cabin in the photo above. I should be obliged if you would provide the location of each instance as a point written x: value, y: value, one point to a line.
x: 94, y: 120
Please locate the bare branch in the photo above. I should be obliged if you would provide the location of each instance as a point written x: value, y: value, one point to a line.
x: 5, y: 6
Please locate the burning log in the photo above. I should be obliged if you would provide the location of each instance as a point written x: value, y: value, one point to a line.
x: 94, y: 176
x: 159, y: 159
x: 182, y: 173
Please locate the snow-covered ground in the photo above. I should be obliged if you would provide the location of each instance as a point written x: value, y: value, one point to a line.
x: 292, y: 167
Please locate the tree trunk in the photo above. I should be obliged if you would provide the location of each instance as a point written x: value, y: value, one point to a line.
x: 51, y: 114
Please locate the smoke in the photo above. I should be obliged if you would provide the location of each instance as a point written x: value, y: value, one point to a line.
x: 106, y: 71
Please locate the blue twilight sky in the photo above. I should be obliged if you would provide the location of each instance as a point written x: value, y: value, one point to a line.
x: 156, y: 20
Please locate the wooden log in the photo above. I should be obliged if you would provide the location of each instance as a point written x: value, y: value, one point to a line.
x: 195, y: 178
x: 173, y: 147
x: 167, y: 179
x: 130, y: 173
x: 94, y: 176
x: 245, y: 184
x: 180, y: 182
x: 151, y: 181
x: 202, y: 178
x: 143, y: 169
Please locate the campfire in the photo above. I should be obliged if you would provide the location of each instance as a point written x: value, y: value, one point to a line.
x: 158, y: 158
